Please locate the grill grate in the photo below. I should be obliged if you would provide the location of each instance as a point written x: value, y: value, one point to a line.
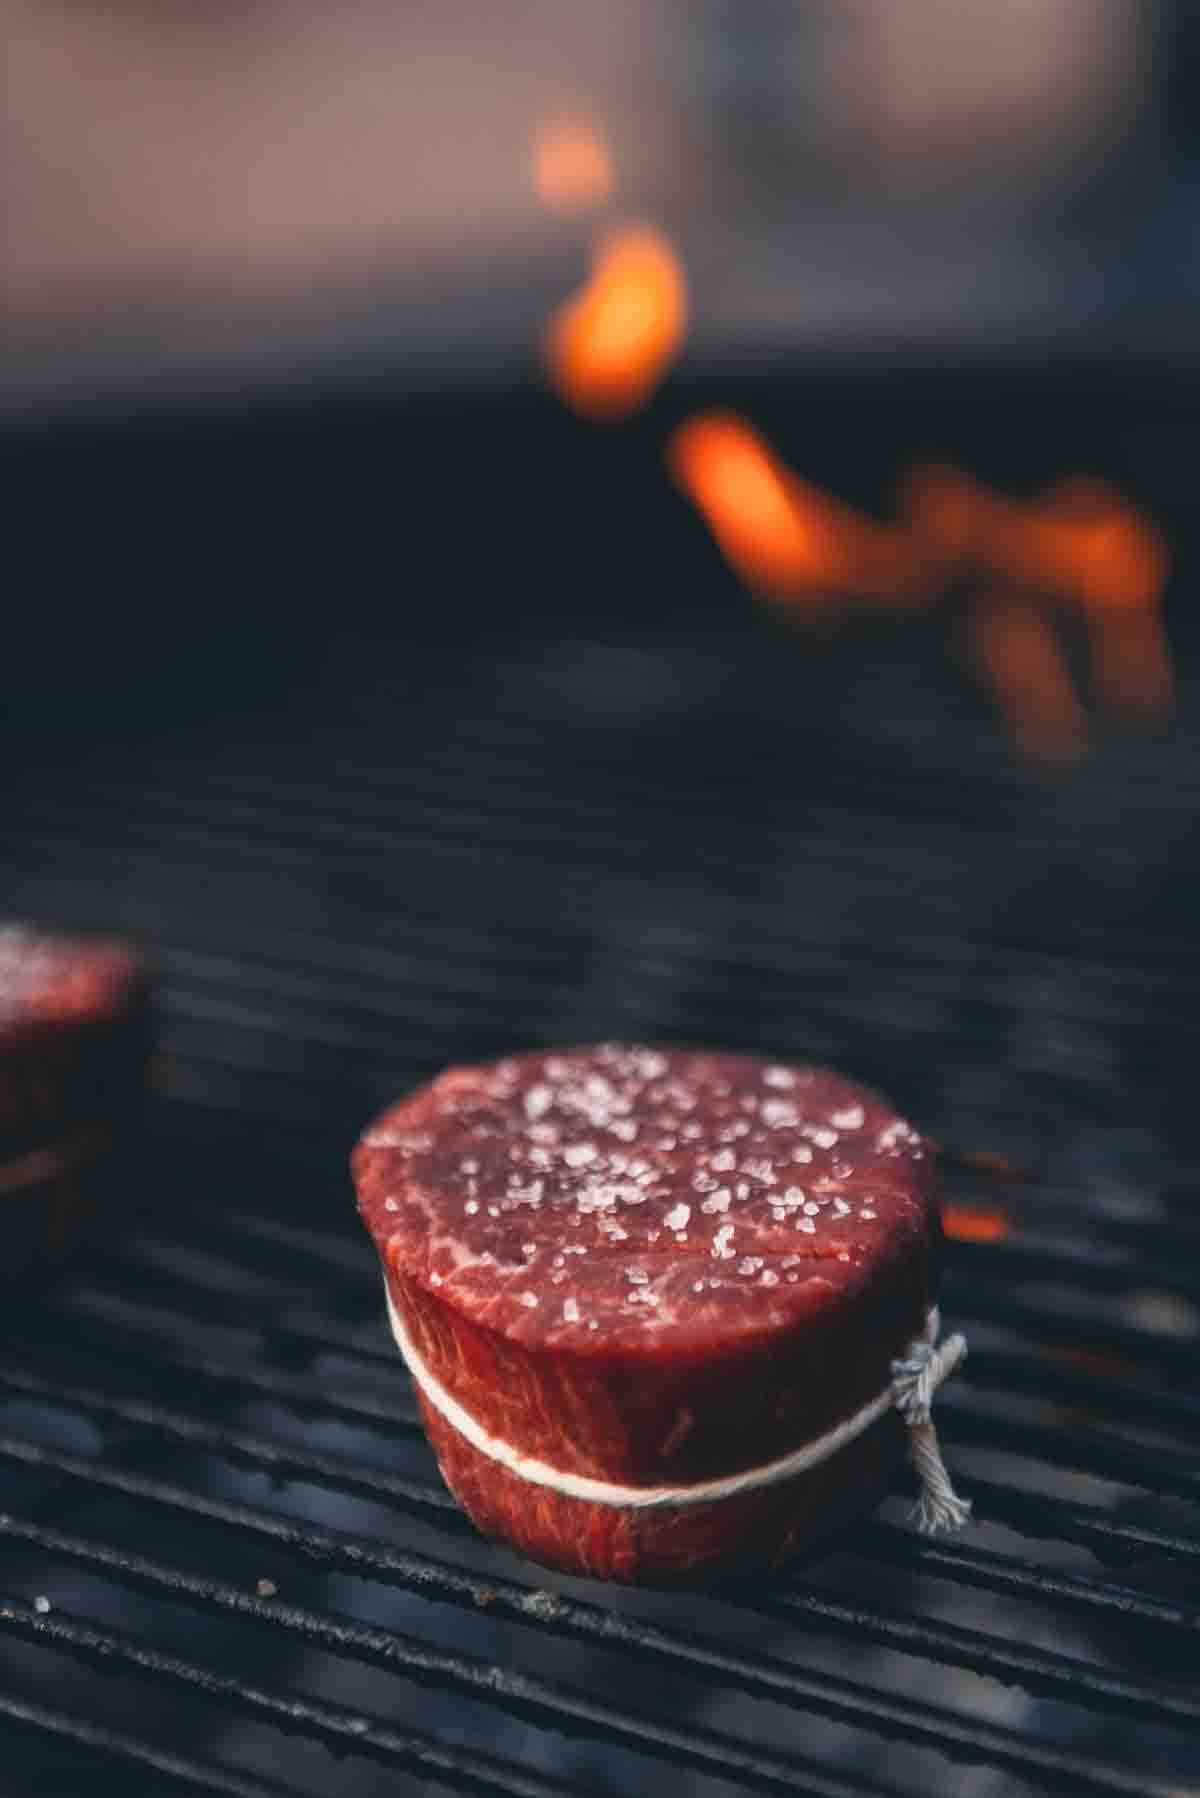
x: 209, y: 1463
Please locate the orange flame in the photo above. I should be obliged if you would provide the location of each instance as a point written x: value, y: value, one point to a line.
x: 975, y: 1223
x: 1019, y: 653
x: 607, y: 348
x: 572, y: 165
x: 1082, y: 544
x: 1131, y: 663
x: 778, y: 533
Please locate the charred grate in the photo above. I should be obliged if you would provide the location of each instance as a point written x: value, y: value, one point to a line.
x: 211, y: 1471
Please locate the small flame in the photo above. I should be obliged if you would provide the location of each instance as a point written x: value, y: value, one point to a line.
x: 780, y: 534
x: 607, y: 347
x: 1131, y: 664
x: 1020, y: 655
x: 1081, y: 544
x: 975, y: 1223
x: 572, y: 165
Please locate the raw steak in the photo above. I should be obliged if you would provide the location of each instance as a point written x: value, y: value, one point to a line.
x: 73, y: 1035
x: 652, y: 1268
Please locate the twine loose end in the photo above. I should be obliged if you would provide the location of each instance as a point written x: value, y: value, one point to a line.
x: 914, y: 1382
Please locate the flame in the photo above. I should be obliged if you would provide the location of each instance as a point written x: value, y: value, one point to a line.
x: 572, y: 165
x: 975, y: 1223
x: 1020, y: 655
x: 1131, y: 664
x: 778, y: 533
x: 608, y: 346
x: 1081, y: 543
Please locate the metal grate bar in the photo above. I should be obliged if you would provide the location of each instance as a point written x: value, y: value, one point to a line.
x: 1094, y: 1453
x: 115, y: 1744
x: 366, y: 976
x: 356, y: 801
x: 1140, y: 1404
x: 760, y: 1675
x: 1037, y: 1670
x: 1131, y: 1463
x: 1178, y: 1411
x: 465, y: 827
x: 1072, y: 1327
x: 326, y: 1470
x: 281, y: 1460
x: 1015, y: 1579
x: 214, y: 834
x: 881, y: 1541
x: 338, y: 1728
x: 343, y: 1266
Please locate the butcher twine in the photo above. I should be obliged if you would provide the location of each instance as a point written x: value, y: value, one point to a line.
x: 914, y: 1382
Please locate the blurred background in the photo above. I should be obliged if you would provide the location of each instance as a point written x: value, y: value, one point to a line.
x: 544, y: 523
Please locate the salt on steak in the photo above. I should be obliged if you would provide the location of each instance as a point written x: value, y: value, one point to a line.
x: 638, y: 1290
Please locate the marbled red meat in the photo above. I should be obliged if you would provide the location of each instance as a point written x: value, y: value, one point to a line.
x: 73, y: 1034
x: 654, y: 1267
x: 74, y: 1040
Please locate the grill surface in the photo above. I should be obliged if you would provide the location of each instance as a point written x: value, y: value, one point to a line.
x: 210, y: 1463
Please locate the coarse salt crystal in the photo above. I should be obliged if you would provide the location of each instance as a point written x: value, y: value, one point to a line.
x: 677, y: 1217
x: 721, y: 1249
x: 538, y: 1101
x: 570, y: 1311
x: 720, y: 1201
x: 529, y: 1300
x: 778, y: 1077
x: 579, y: 1154
x: 851, y: 1117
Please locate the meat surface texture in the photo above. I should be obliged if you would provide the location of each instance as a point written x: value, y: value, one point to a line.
x: 654, y: 1267
x: 74, y: 1041
x: 73, y: 1034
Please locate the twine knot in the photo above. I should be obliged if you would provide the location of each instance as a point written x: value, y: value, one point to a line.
x: 914, y: 1382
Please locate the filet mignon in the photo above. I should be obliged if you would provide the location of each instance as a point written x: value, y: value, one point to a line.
x: 652, y: 1269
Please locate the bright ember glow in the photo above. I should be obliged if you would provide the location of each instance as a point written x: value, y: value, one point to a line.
x: 572, y: 165
x: 1019, y: 653
x: 607, y: 348
x: 975, y: 1223
x: 779, y: 533
x: 1082, y: 544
